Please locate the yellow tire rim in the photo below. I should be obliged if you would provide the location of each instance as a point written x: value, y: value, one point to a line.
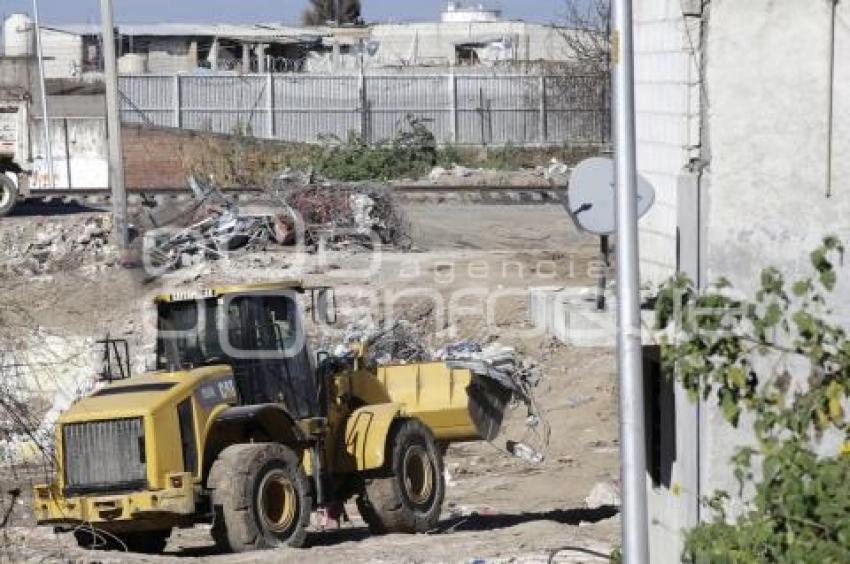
x: 278, y: 501
x: 418, y: 475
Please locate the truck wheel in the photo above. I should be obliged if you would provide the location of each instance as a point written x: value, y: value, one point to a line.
x: 409, y: 496
x: 145, y: 542
x: 261, y: 498
x: 8, y: 194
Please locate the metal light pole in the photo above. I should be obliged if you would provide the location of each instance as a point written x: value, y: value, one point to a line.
x: 44, y: 113
x: 113, y: 122
x: 629, y: 354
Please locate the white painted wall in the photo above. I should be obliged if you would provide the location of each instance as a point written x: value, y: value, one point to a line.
x: 667, y: 121
x: 667, y: 105
x: 63, y: 53
x: 764, y: 197
x: 88, y: 165
x: 768, y: 84
x: 168, y: 55
x: 436, y: 41
x: 766, y: 204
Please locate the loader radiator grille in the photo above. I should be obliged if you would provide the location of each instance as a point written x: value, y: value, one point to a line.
x: 104, y: 455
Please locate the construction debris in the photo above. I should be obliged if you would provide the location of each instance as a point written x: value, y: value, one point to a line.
x: 501, y: 376
x: 54, y: 246
x: 516, y: 375
x: 348, y: 215
x: 333, y: 216
x: 603, y: 494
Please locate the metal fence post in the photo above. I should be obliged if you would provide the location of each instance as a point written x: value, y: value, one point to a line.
x: 270, y: 104
x: 544, y: 134
x: 177, y: 104
x: 453, y: 108
x: 364, y: 110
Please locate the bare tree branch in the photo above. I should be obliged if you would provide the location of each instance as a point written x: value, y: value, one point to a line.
x: 321, y: 12
x: 587, y: 32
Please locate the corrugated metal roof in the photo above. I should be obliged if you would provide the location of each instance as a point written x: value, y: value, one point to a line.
x: 254, y: 31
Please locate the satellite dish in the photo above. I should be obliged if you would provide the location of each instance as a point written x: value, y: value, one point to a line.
x: 591, y: 197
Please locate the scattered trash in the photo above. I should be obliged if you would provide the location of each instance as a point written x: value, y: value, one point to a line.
x: 524, y: 452
x: 436, y: 173
x: 603, y: 494
x: 447, y: 474
x: 556, y: 172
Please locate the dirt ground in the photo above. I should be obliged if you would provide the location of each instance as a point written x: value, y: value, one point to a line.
x: 466, y: 278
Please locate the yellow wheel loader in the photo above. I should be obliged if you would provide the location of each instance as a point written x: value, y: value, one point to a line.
x: 240, y: 426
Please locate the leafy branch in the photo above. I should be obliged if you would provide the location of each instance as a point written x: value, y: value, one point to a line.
x: 713, y: 342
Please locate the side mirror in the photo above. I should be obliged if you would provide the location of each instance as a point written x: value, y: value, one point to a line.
x: 116, y: 359
x: 324, y: 305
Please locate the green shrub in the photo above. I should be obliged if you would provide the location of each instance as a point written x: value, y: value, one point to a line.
x: 801, y: 508
x: 411, y: 153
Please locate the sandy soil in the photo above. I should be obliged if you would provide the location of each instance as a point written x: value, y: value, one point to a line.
x: 498, y: 508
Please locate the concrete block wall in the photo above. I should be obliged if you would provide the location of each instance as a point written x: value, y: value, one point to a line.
x: 667, y: 104
x: 667, y: 121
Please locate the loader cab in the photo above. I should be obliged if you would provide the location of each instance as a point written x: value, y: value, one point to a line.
x: 259, y: 333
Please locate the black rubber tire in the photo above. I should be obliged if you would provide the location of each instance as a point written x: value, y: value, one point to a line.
x: 385, y: 504
x: 8, y: 194
x: 144, y: 542
x: 235, y: 480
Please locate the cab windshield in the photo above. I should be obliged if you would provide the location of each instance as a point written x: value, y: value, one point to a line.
x: 205, y: 332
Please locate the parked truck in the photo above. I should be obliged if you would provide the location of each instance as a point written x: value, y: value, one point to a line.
x: 14, y: 149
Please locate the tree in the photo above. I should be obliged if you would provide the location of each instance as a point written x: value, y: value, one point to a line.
x: 322, y: 11
x: 587, y: 32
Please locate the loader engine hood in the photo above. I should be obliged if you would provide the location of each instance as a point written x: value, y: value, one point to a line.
x: 133, y: 434
x: 148, y: 393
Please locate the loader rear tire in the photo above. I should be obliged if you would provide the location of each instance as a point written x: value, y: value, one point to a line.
x: 408, y: 496
x: 8, y: 194
x: 261, y: 498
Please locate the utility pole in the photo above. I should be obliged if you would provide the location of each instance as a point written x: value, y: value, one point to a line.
x: 113, y: 122
x: 45, y: 115
x: 629, y: 353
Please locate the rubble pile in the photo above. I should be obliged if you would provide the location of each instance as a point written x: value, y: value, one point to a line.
x: 349, y: 214
x: 53, y: 246
x: 334, y: 216
x: 514, y: 376
x: 401, y: 342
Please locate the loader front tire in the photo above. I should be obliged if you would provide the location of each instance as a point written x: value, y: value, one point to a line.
x: 261, y: 498
x: 408, y: 494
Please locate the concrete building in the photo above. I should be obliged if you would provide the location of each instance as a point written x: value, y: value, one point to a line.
x: 743, y: 127
x: 467, y: 35
x: 74, y: 50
